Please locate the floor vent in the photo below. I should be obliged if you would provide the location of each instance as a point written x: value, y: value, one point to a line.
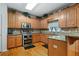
x: 29, y: 47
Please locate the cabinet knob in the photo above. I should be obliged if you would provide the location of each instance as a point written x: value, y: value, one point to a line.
x: 55, y: 46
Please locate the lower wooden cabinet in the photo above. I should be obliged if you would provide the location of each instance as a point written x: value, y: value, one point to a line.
x: 77, y: 47
x: 19, y: 40
x: 72, y: 46
x: 44, y: 38
x: 40, y: 37
x: 11, y: 42
x: 57, y: 48
x: 14, y: 41
x: 36, y: 38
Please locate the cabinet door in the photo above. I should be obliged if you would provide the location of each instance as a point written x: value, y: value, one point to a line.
x: 20, y: 19
x: 57, y: 48
x: 19, y: 40
x: 44, y: 23
x: 11, y: 19
x: 35, y: 38
x: 77, y: 47
x: 71, y: 51
x: 11, y: 42
x: 56, y: 15
x: 62, y: 19
x: 35, y: 23
x: 78, y: 16
x: 71, y: 17
x: 44, y: 38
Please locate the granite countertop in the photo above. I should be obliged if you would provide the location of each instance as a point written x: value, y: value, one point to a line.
x: 62, y: 38
x: 76, y: 34
x: 14, y: 34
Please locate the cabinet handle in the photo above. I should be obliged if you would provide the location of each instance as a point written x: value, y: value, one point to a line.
x: 55, y: 46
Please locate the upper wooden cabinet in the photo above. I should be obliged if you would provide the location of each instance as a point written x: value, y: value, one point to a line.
x: 11, y: 19
x: 56, y: 16
x: 35, y: 23
x: 62, y: 19
x: 20, y: 18
x: 71, y: 17
x: 15, y: 19
x: 44, y: 24
x: 67, y: 18
x: 78, y: 15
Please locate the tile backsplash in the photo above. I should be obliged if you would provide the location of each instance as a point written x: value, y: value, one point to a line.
x: 70, y: 30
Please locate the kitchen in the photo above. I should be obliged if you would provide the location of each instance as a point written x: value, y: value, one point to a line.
x: 53, y: 34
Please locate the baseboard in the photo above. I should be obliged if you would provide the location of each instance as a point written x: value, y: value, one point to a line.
x: 5, y: 50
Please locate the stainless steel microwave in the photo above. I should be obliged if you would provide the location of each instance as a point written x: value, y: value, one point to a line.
x: 25, y: 25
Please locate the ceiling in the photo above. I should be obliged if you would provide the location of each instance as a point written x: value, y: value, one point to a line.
x: 40, y: 9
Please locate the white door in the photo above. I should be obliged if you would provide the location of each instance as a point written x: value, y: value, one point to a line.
x: 0, y: 33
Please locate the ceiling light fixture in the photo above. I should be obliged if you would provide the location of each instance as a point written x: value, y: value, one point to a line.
x: 30, y: 6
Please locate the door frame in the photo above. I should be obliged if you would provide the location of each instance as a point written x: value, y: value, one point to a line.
x: 0, y: 35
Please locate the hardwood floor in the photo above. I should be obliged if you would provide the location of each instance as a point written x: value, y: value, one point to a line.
x: 38, y: 50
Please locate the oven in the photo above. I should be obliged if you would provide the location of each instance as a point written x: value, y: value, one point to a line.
x: 27, y: 39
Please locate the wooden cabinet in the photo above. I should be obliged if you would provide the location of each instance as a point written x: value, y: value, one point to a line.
x: 78, y: 16
x: 57, y: 48
x: 20, y: 18
x: 56, y: 16
x: 71, y: 17
x: 15, y: 19
x: 35, y: 23
x: 11, y: 19
x: 40, y: 37
x: 68, y: 17
x: 14, y: 41
x: 44, y: 38
x: 77, y: 47
x: 62, y: 19
x: 36, y: 38
x: 44, y: 24
x: 18, y: 40
x: 72, y: 46
x: 11, y: 42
